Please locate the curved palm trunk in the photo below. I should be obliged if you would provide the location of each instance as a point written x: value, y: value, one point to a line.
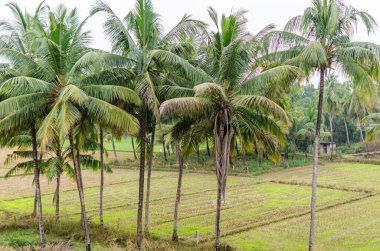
x: 114, y: 147
x: 38, y: 189
x: 134, y: 150
x: 141, y: 179
x: 75, y: 155
x: 101, y: 176
x: 150, y: 162
x: 178, y: 196
x: 57, y: 195
x: 223, y: 135
x: 315, y: 161
x: 163, y: 147
x: 347, y: 134
x: 332, y: 135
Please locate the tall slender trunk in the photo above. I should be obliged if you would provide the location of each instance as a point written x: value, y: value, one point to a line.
x: 332, y: 135
x: 223, y: 135
x: 101, y: 177
x: 163, y: 147
x: 58, y: 185
x: 78, y: 175
x: 114, y: 147
x: 198, y: 153
x: 347, y: 134
x: 294, y: 142
x: 168, y: 149
x: 57, y: 195
x: 315, y: 161
x: 38, y: 189
x: 208, y: 148
x: 178, y: 196
x: 34, y: 213
x: 217, y: 221
x: 360, y: 127
x: 150, y: 161
x: 141, y: 179
x: 134, y: 150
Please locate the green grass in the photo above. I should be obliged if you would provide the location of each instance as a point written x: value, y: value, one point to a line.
x: 253, y: 217
x: 352, y: 226
x: 360, y: 177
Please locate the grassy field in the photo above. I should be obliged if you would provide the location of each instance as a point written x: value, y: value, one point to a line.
x: 261, y: 212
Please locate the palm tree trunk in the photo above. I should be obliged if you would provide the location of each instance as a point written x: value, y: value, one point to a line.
x: 178, y: 196
x: 163, y: 147
x: 208, y: 148
x: 101, y: 177
x: 315, y: 160
x: 360, y: 128
x: 75, y: 153
x: 332, y: 135
x: 134, y: 150
x: 141, y: 179
x: 217, y: 221
x: 58, y: 185
x: 347, y: 134
x: 168, y: 149
x: 57, y: 195
x: 150, y: 161
x: 294, y: 142
x: 197, y: 150
x: 114, y: 147
x: 38, y: 189
x: 223, y: 136
x: 34, y: 213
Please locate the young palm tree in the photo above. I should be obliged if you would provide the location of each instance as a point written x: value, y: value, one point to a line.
x: 225, y: 102
x: 320, y: 40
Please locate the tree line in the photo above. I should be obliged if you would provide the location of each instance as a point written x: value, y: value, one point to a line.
x: 216, y: 83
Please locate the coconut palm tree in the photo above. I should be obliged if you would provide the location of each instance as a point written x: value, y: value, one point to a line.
x: 138, y: 39
x: 53, y: 163
x: 19, y: 39
x: 319, y: 41
x: 59, y: 89
x: 225, y: 103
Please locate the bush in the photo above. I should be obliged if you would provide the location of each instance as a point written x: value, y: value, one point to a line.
x: 352, y: 149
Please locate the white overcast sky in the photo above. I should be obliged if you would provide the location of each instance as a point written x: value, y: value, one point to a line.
x: 260, y: 12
